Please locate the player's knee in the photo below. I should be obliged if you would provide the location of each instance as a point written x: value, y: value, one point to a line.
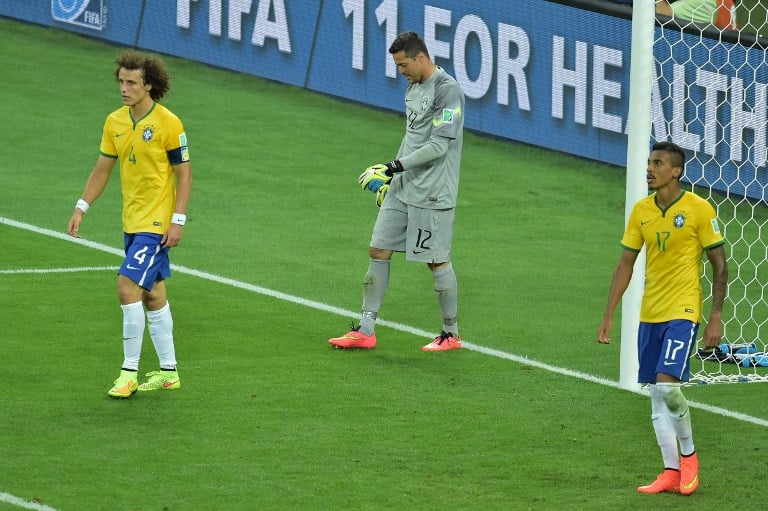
x: 379, y: 253
x: 672, y: 395
x: 445, y: 279
x: 438, y: 266
x: 128, y: 291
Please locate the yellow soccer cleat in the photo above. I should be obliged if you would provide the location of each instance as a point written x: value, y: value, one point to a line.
x: 125, y: 385
x: 161, y: 380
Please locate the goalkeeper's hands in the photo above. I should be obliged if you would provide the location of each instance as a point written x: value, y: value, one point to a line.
x: 377, y: 175
x: 381, y: 193
x: 373, y: 178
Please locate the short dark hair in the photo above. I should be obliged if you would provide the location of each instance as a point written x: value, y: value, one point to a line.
x: 410, y: 43
x: 152, y: 68
x: 678, y: 155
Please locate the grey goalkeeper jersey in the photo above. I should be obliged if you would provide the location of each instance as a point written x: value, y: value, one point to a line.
x: 431, y: 148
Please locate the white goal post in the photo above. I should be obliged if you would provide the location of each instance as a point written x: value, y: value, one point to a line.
x: 706, y: 90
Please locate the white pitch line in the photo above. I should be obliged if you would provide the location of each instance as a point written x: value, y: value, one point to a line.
x: 395, y: 326
x: 16, y: 501
x: 59, y: 270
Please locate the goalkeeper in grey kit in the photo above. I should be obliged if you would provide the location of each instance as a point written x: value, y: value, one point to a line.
x: 417, y: 194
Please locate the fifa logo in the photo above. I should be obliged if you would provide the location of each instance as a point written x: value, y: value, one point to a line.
x: 84, y: 13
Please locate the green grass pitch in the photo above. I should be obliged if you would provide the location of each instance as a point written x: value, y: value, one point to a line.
x: 269, y: 416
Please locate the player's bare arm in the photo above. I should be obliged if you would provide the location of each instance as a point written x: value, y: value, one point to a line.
x: 713, y: 332
x: 97, y: 182
x: 175, y: 232
x: 621, y: 277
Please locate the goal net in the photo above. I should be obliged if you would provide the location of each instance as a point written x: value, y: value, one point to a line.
x: 710, y: 96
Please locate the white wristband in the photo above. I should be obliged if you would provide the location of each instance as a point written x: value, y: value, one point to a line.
x: 179, y: 219
x: 82, y: 205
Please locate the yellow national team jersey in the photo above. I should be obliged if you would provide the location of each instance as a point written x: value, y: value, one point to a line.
x: 675, y: 240
x: 147, y: 150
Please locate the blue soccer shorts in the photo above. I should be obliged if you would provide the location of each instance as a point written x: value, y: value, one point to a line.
x: 665, y: 348
x: 146, y: 260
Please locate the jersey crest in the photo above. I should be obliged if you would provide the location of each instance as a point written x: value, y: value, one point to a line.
x: 679, y: 220
x: 147, y: 134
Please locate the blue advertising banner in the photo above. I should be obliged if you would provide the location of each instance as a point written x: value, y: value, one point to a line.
x: 271, y: 39
x: 526, y: 75
x: 113, y: 21
x: 713, y: 101
x: 546, y: 73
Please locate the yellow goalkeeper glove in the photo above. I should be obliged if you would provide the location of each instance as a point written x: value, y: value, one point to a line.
x: 381, y: 193
x: 373, y: 177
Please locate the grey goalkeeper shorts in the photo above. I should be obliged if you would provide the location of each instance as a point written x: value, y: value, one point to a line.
x: 425, y: 235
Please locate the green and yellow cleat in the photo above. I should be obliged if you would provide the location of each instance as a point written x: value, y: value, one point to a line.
x: 161, y: 380
x: 125, y: 385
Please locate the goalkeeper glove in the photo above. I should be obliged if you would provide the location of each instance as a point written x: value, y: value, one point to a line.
x: 380, y: 172
x: 375, y: 185
x: 373, y: 177
x: 381, y: 193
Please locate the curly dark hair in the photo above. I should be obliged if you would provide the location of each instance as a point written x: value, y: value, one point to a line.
x: 153, y: 70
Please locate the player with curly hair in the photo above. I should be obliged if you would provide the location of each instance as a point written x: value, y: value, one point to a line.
x: 150, y: 143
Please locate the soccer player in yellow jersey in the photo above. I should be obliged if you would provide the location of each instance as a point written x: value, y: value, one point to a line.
x: 156, y: 178
x: 677, y: 228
